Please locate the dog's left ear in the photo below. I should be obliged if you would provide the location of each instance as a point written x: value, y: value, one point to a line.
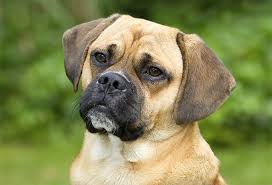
x: 206, y: 83
x: 76, y: 42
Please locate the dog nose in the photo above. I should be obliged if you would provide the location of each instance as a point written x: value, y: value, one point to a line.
x: 112, y: 82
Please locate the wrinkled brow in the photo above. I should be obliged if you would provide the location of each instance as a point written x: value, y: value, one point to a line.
x: 111, y: 49
x: 145, y: 59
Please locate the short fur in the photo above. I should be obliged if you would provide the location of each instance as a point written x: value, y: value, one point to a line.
x: 204, y: 75
x: 171, y: 151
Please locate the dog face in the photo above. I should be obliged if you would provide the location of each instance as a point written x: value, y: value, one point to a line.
x: 141, y: 77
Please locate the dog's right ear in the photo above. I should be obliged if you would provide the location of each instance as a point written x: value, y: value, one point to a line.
x: 76, y: 41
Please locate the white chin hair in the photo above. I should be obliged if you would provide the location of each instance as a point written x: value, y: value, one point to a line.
x: 101, y: 121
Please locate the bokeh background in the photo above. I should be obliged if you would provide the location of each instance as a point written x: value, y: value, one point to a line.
x: 40, y: 128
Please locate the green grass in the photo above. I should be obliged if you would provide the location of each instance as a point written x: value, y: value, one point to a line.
x: 35, y: 165
x: 247, y: 165
x: 49, y: 165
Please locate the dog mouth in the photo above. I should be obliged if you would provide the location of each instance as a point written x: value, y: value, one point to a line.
x: 106, y: 113
x: 101, y: 119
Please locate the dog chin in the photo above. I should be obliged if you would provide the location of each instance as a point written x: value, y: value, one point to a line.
x: 101, y: 121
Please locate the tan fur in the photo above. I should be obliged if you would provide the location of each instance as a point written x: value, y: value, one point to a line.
x: 184, y: 158
x: 167, y: 153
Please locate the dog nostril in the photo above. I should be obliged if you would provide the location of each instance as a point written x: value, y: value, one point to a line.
x: 111, y: 81
x: 115, y: 84
x: 106, y: 79
x: 103, y: 80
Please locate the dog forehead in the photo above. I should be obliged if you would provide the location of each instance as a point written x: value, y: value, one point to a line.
x: 152, y: 38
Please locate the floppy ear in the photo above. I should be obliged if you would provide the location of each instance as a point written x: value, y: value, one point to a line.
x: 206, y: 83
x: 75, y: 43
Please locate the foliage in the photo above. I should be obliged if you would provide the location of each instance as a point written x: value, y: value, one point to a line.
x: 37, y: 98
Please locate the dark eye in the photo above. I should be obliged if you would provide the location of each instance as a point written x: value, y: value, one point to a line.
x: 154, y: 71
x: 100, y: 57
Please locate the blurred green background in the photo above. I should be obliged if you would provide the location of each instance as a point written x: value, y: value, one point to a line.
x: 40, y: 128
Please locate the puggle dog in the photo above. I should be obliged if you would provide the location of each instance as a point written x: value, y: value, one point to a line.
x: 145, y: 86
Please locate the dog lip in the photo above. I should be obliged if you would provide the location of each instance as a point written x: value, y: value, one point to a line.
x: 101, y: 105
x: 101, y: 108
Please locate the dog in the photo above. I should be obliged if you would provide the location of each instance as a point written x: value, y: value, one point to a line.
x: 145, y: 86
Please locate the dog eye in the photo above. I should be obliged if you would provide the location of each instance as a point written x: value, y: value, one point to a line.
x: 100, y: 57
x: 154, y: 71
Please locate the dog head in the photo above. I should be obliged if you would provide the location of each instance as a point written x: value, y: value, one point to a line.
x: 140, y: 77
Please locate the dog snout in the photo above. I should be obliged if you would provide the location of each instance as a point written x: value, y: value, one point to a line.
x: 112, y: 82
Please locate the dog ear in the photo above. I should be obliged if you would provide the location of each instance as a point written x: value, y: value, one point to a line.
x: 206, y: 83
x: 75, y: 43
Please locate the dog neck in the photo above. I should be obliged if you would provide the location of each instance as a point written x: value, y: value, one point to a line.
x: 145, y: 160
x: 149, y: 147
